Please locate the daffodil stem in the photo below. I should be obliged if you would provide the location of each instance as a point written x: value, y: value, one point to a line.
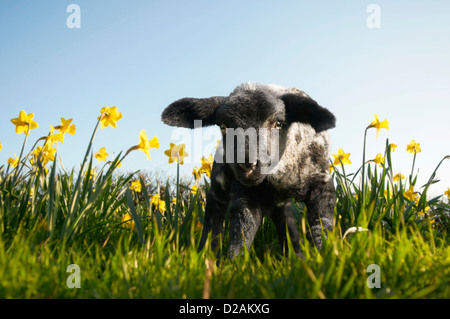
x: 21, y: 153
x: 437, y: 167
x: 177, y: 207
x: 363, y: 173
x: 178, y: 191
x: 34, y: 145
x: 412, y: 170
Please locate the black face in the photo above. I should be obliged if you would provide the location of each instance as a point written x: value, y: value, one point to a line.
x: 254, y: 134
x: 261, y: 115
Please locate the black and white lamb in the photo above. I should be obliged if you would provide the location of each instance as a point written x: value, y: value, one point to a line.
x: 275, y: 147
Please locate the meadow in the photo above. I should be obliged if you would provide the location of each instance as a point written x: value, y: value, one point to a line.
x: 135, y: 235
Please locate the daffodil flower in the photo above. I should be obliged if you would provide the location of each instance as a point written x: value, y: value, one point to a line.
x: 194, y: 189
x: 410, y: 194
x: 13, y: 161
x: 207, y: 164
x: 128, y: 220
x: 24, y: 122
x: 160, y: 204
x: 379, y: 125
x: 393, y: 147
x: 424, y: 212
x: 47, y: 153
x: 66, y: 127
x: 54, y: 138
x: 1, y: 146
x: 341, y: 156
x: 413, y: 147
x: 447, y: 193
x: 331, y: 168
x: 145, y: 145
x: 379, y: 159
x: 196, y: 172
x: 136, y: 186
x: 101, y: 155
x: 176, y: 153
x: 109, y: 117
x: 92, y: 173
x: 398, y: 176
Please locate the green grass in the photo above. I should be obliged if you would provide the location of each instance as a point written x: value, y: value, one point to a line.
x: 52, y: 219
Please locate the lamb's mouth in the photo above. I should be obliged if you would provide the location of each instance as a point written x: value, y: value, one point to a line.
x: 248, y: 169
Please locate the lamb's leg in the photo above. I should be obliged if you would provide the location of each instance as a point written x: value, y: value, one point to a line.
x: 244, y: 223
x: 217, y: 201
x: 214, y: 217
x: 283, y: 217
x: 320, y: 205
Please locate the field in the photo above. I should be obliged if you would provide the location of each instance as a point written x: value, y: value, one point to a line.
x: 135, y: 235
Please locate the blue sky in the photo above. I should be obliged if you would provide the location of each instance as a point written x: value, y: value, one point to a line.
x: 143, y: 55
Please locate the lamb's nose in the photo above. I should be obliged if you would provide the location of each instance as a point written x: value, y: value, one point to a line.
x: 248, y: 166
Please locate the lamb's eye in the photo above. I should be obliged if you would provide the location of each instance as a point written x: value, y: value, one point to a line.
x: 278, y: 125
x: 223, y: 128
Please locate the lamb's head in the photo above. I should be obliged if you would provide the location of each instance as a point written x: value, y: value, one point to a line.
x: 254, y: 120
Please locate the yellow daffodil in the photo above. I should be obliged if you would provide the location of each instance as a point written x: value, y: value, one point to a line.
x: 398, y: 176
x: 194, y: 189
x: 13, y: 161
x: 433, y: 223
x: 91, y: 173
x: 101, y: 155
x: 136, y: 186
x: 24, y: 122
x: 423, y: 212
x: 174, y: 200
x: 196, y: 172
x: 176, y: 153
x: 410, y: 194
x: 66, y: 127
x: 379, y: 159
x: 127, y: 219
x: 54, y: 138
x: 331, y: 168
x: 341, y: 156
x: 393, y: 147
x: 379, y: 125
x: 413, y: 147
x: 447, y: 193
x: 1, y: 146
x: 145, y: 145
x: 207, y: 164
x: 47, y: 153
x: 109, y: 117
x: 160, y: 204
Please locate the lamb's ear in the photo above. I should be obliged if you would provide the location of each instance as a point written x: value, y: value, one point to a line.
x: 183, y: 112
x: 306, y: 110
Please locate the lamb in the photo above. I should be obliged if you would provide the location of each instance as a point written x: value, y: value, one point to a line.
x: 261, y: 181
